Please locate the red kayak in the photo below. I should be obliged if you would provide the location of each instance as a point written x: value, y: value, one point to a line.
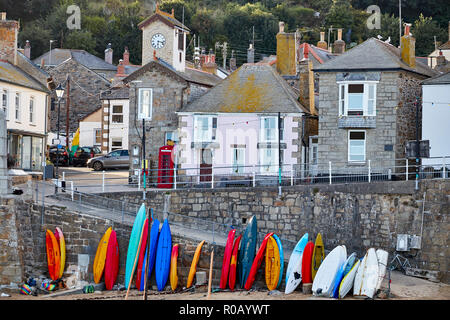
x: 112, y: 261
x: 141, y: 265
x: 233, y: 263
x: 257, y: 262
x: 226, y: 259
x: 306, y: 262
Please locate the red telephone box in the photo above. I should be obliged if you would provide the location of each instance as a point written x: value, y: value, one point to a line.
x: 165, y: 167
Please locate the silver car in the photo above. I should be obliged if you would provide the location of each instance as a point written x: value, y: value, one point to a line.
x: 115, y: 159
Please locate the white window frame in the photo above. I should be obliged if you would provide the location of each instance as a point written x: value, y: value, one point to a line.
x: 348, y: 146
x: 171, y: 134
x: 116, y: 114
x: 5, y: 103
x: 95, y: 137
x: 344, y: 99
x: 32, y: 117
x: 211, y: 132
x: 116, y: 139
x: 265, y: 167
x: 145, y: 114
x: 263, y: 136
x: 238, y: 165
x: 17, y: 101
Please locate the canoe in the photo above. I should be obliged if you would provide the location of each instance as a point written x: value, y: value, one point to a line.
x: 272, y: 264
x: 306, y: 262
x: 348, y: 280
x: 318, y: 255
x: 294, y: 268
x: 194, y: 263
x: 133, y: 245
x: 62, y: 249
x: 163, y: 252
x: 247, y: 251
x: 226, y: 259
x: 280, y: 249
x: 345, y: 268
x: 140, y: 270
x: 173, y: 268
x: 257, y: 262
x: 53, y: 255
x: 100, y: 256
x: 382, y: 257
x: 233, y: 263
x: 366, y: 277
x: 112, y: 261
x: 323, y: 282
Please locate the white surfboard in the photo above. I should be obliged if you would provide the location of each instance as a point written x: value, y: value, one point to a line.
x: 366, y: 278
x: 294, y: 268
x: 347, y: 283
x: 323, y: 283
x: 382, y: 257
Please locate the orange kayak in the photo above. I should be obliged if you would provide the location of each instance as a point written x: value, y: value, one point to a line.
x: 233, y: 263
x: 173, y: 267
x: 53, y: 255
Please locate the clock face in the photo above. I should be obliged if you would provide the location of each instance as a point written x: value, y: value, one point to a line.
x: 158, y: 41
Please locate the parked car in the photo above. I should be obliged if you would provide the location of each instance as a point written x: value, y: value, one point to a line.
x: 63, y: 159
x: 83, y: 154
x: 115, y: 159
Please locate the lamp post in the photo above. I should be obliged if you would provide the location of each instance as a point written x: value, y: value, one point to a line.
x: 59, y: 93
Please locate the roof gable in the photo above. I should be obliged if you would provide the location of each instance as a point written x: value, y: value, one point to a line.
x: 165, y: 18
x: 14, y: 75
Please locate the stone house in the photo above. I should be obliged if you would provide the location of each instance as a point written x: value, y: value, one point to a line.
x: 367, y: 106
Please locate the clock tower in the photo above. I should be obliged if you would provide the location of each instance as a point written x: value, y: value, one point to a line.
x: 164, y: 36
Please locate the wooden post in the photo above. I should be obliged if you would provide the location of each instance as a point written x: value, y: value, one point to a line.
x: 210, y: 274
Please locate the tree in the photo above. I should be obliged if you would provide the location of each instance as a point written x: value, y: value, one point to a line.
x: 38, y: 34
x: 80, y: 39
x: 424, y: 30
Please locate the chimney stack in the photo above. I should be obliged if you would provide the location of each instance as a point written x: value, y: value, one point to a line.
x: 339, y: 44
x: 126, y: 57
x: 27, y: 51
x: 121, y: 69
x: 232, y: 62
x: 408, y: 47
x: 109, y: 54
x: 251, y: 54
x: 286, y: 52
x: 322, y: 43
x: 306, y: 81
x: 9, y: 30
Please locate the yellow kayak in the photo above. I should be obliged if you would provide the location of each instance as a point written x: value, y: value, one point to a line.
x: 62, y: 249
x: 173, y: 267
x: 272, y: 264
x: 100, y: 256
x: 193, y: 269
x: 317, y: 256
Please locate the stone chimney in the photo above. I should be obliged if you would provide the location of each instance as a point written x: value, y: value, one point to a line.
x: 109, y: 54
x: 209, y: 64
x: 339, y: 44
x: 27, y: 51
x: 121, y: 69
x: 322, y: 43
x: 197, y: 64
x: 232, y: 61
x: 306, y: 81
x: 408, y: 47
x: 251, y: 54
x: 286, y: 52
x: 126, y: 57
x: 9, y: 30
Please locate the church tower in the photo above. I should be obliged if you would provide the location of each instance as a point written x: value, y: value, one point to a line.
x: 164, y: 36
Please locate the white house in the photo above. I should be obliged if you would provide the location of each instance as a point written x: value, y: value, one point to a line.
x: 436, y: 117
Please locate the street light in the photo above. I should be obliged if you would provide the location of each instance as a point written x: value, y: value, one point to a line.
x: 59, y: 93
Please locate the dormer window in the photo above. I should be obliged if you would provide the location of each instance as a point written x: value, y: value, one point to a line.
x: 357, y: 98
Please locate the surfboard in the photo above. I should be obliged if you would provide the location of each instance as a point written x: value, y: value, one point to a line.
x: 112, y: 261
x: 280, y: 250
x: 140, y: 271
x: 226, y: 259
x: 247, y: 251
x: 272, y: 264
x: 173, y: 268
x: 163, y: 251
x: 233, y: 263
x: 318, y: 255
x: 257, y: 262
x: 366, y: 278
x: 53, y: 256
x: 154, y: 236
x: 100, y: 256
x: 294, y: 268
x: 194, y: 263
x: 306, y: 262
x: 133, y: 244
x: 323, y: 282
x: 348, y: 280
x: 382, y: 257
x: 345, y: 268
x: 62, y: 249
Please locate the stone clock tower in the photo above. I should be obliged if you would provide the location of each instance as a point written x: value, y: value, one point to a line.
x: 165, y: 37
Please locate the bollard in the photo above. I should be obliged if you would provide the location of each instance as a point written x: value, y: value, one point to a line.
x: 292, y: 174
x: 329, y: 170
x: 369, y: 170
x: 71, y: 189
x: 103, y: 181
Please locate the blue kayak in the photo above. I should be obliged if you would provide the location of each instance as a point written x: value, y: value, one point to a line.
x: 163, y: 251
x: 154, y: 233
x: 280, y: 249
x: 247, y: 251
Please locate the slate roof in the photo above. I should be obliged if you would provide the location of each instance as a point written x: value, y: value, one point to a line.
x: 85, y: 58
x: 316, y: 54
x: 117, y: 92
x: 165, y: 18
x: 252, y: 88
x: 12, y: 74
x: 372, y: 54
x: 440, y: 79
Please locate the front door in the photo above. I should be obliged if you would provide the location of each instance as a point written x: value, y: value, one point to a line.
x: 205, y: 165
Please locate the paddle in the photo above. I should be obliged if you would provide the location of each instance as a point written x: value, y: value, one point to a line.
x: 147, y: 262
x: 135, y: 261
x: 210, y: 274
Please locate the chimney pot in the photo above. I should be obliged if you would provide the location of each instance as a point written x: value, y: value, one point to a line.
x: 126, y: 56
x: 281, y: 26
x: 339, y: 34
x: 3, y: 15
x: 109, y: 54
x: 27, y: 51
